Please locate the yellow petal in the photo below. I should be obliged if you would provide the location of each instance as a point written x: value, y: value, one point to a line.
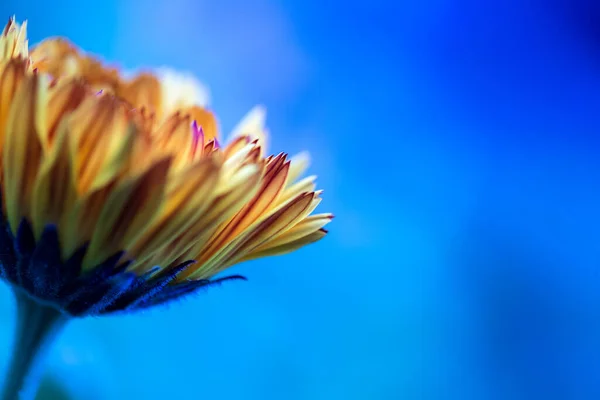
x: 23, y: 151
x: 127, y: 212
x: 306, y: 227
x: 279, y: 221
x: 188, y: 195
x: 287, y: 247
x: 13, y: 41
x: 65, y: 96
x: 236, y: 146
x: 181, y: 90
x: 11, y: 75
x: 271, y: 187
x: 101, y: 137
x: 242, y: 187
x: 239, y: 158
x: 78, y: 223
x: 298, y: 164
x: 54, y: 192
x: 175, y: 137
x: 253, y: 125
x: 305, y: 185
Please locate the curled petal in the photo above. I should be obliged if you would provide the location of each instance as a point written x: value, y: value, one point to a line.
x: 143, y: 91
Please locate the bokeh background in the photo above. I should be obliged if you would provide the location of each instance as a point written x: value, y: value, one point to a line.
x: 457, y: 143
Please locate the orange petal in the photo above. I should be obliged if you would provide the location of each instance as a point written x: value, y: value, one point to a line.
x: 56, y: 56
x: 143, y: 91
x: 205, y: 120
x: 175, y: 137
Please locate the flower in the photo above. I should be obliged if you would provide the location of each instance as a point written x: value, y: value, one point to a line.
x: 116, y: 193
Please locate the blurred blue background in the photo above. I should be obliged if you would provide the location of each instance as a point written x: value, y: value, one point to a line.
x: 457, y: 142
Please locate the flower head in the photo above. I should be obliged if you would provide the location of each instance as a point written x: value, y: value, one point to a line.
x: 116, y: 193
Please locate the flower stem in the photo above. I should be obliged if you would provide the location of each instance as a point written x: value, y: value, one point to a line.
x: 37, y: 325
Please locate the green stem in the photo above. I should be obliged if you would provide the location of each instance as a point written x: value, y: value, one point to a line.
x: 37, y: 325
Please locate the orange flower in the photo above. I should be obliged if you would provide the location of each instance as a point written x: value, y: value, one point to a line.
x: 132, y: 182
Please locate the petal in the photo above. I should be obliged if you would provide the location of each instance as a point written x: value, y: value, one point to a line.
x: 175, y: 137
x: 65, y: 97
x: 78, y: 223
x: 306, y: 227
x: 54, y: 192
x: 287, y: 247
x: 181, y: 90
x: 253, y: 125
x: 305, y: 185
x: 128, y: 212
x: 283, y: 219
x: 271, y: 187
x: 236, y: 146
x: 241, y: 188
x: 205, y: 120
x: 143, y: 91
x: 187, y: 198
x: 101, y: 137
x: 13, y: 41
x: 11, y: 75
x: 299, y: 164
x: 279, y: 221
x: 23, y: 151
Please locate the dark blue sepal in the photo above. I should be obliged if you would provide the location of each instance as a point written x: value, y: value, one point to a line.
x: 24, y: 246
x: 180, y: 290
x: 86, y: 281
x: 150, y: 287
x: 8, y: 257
x: 38, y: 269
x: 100, y: 297
x: 42, y: 271
x: 71, y: 268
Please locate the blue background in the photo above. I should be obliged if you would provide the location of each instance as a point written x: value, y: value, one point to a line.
x: 457, y: 145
